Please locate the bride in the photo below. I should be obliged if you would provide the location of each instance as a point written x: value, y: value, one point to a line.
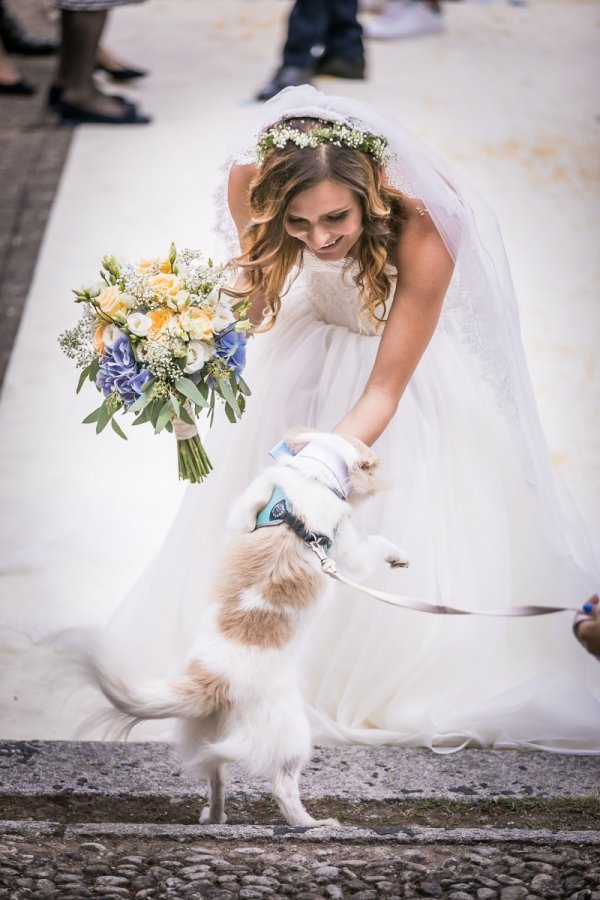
x: 386, y: 311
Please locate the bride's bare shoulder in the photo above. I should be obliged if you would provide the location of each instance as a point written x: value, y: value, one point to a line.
x: 420, y: 242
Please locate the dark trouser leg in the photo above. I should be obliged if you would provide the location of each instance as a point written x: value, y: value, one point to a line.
x: 307, y: 28
x: 344, y: 33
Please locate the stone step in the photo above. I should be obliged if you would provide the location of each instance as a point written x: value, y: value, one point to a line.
x: 343, y: 834
x: 379, y: 788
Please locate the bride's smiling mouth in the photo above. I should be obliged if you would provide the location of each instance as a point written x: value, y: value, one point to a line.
x: 327, y: 247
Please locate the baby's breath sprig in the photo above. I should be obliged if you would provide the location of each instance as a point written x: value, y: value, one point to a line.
x: 334, y: 133
x: 76, y: 342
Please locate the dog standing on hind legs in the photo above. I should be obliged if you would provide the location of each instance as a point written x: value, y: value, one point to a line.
x: 238, y: 698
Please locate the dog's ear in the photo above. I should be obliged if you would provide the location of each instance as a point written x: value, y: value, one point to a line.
x: 364, y: 471
x: 298, y: 437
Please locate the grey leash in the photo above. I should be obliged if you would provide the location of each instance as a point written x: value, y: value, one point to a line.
x: 329, y: 567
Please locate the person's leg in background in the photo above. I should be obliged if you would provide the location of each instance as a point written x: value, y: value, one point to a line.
x: 307, y: 28
x: 344, y: 55
x: 324, y: 37
x: 76, y: 96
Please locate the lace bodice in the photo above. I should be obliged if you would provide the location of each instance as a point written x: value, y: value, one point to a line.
x: 332, y: 293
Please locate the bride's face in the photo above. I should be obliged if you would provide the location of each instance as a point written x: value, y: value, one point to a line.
x: 327, y: 218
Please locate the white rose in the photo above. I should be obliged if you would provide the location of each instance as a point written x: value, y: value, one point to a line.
x: 182, y: 298
x: 93, y: 287
x: 222, y: 318
x: 212, y: 299
x: 111, y: 335
x: 139, y: 323
x: 198, y: 353
x: 127, y: 300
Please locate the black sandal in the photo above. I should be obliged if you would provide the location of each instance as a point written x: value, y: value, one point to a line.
x: 124, y: 74
x: 55, y: 94
x: 78, y: 115
x: 20, y: 88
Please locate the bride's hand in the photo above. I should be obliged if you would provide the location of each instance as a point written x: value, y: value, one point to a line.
x: 587, y: 630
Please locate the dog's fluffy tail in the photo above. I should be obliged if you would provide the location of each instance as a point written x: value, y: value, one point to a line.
x: 193, y: 694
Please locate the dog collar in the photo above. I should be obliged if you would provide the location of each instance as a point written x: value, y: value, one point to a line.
x: 279, y: 510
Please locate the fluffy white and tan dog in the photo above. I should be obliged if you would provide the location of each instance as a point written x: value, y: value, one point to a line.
x: 238, y: 698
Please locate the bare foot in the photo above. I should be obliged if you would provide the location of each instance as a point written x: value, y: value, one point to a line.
x: 105, y: 58
x: 8, y: 73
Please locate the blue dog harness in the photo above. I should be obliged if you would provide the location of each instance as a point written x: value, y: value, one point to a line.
x: 279, y: 511
x: 275, y: 511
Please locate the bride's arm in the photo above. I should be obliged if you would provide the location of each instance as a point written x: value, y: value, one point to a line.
x: 424, y: 271
x: 238, y: 189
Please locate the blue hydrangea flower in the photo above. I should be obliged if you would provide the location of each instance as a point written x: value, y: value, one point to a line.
x: 119, y: 372
x: 231, y: 346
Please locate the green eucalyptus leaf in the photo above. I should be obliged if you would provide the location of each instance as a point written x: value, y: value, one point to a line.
x: 83, y: 378
x: 143, y: 417
x: 187, y: 387
x: 229, y: 396
x: 185, y: 417
x: 104, y: 417
x: 118, y: 430
x: 142, y: 401
x: 243, y: 386
x: 164, y: 416
x: 93, y: 417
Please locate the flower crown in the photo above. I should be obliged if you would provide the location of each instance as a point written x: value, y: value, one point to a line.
x: 327, y: 133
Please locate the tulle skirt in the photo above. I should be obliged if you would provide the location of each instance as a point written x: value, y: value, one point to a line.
x: 481, y: 532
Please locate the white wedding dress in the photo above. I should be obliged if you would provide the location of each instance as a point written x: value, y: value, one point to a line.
x: 470, y: 496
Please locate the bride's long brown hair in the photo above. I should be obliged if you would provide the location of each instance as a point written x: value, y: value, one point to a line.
x: 269, y: 252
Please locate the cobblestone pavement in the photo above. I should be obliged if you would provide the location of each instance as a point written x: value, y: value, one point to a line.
x: 166, y: 868
x: 32, y: 154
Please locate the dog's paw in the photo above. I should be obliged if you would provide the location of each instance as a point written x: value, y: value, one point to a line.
x: 331, y: 822
x: 398, y: 559
x: 206, y: 819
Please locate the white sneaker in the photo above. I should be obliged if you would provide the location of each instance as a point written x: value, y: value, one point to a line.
x: 404, y: 19
x: 372, y: 6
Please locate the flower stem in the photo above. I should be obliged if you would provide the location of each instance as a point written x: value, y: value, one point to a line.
x: 194, y: 464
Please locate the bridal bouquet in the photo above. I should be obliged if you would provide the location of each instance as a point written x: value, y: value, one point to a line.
x: 162, y: 343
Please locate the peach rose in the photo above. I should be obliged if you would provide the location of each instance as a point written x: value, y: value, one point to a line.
x: 160, y: 320
x: 98, y: 340
x: 165, y: 284
x: 110, y: 302
x: 197, y: 323
x: 145, y: 265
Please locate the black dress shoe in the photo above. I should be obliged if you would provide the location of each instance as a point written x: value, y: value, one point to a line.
x: 16, y: 40
x: 340, y: 67
x: 78, y: 115
x: 55, y: 95
x: 19, y: 88
x: 286, y: 76
x: 125, y: 74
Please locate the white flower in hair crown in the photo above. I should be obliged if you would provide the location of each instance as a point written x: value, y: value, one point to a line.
x: 327, y: 133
